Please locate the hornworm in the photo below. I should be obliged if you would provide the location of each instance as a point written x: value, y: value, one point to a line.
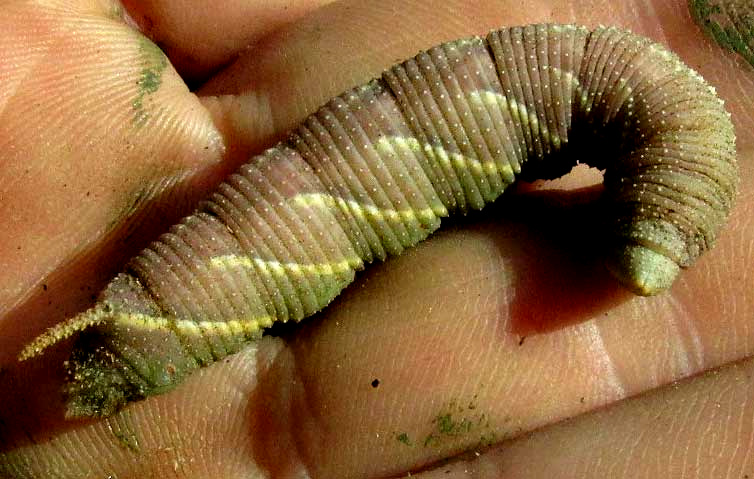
x: 376, y: 168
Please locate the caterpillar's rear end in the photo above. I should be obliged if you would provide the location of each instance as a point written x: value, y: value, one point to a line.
x: 374, y: 170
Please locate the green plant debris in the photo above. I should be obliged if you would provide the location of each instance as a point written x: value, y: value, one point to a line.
x: 729, y: 22
x: 153, y: 64
x: 457, y: 421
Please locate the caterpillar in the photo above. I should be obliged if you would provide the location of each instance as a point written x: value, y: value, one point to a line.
x: 374, y: 170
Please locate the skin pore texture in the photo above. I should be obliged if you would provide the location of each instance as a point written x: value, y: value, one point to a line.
x: 488, y: 337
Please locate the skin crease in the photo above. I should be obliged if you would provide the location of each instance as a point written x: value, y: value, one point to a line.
x: 471, y: 339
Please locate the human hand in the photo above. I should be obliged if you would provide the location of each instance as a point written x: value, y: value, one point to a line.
x: 104, y: 147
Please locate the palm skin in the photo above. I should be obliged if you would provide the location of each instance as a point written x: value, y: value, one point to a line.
x: 448, y: 348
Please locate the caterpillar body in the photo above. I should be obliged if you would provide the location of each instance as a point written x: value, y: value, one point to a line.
x: 376, y: 168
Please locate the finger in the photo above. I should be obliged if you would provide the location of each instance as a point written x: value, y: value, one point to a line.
x: 199, y: 37
x: 646, y: 342
x: 440, y: 333
x: 505, y: 337
x: 697, y: 428
x: 173, y: 437
x: 96, y: 125
x: 271, y: 88
x: 325, y: 368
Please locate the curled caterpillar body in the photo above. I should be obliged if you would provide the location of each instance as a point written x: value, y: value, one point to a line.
x: 376, y: 168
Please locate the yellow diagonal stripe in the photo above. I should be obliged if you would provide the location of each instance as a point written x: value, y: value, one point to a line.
x: 277, y: 268
x: 364, y: 211
x: 438, y: 153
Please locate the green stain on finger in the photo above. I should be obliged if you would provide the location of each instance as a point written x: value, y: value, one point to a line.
x: 404, y: 438
x: 153, y: 64
x: 456, y: 423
